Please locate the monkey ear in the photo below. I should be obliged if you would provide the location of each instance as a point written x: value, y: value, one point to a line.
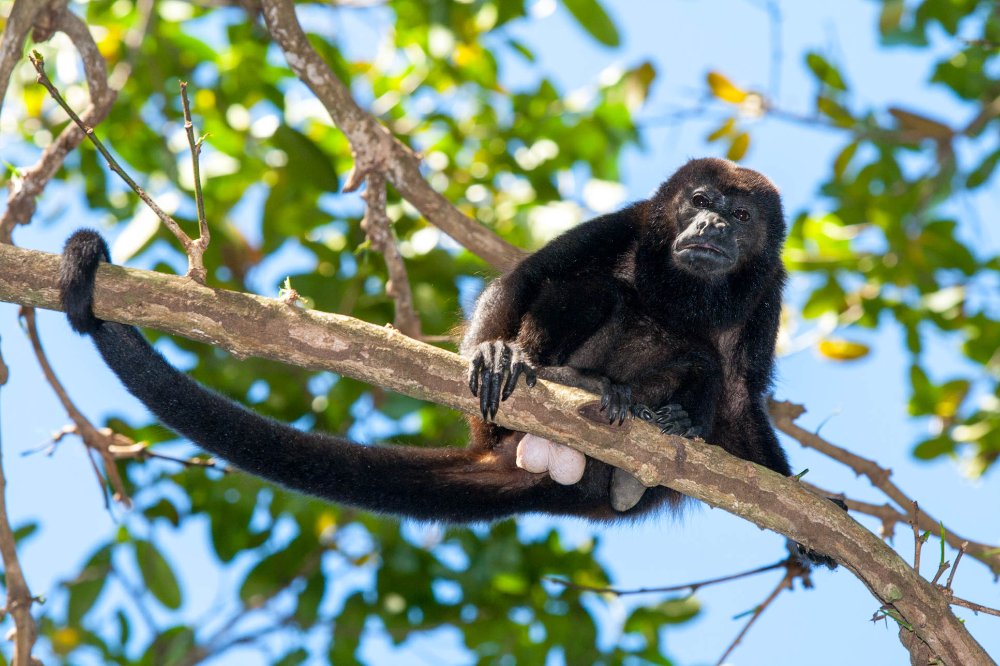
x: 84, y: 251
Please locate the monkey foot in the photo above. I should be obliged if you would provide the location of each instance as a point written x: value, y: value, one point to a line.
x: 564, y: 465
x: 671, y: 419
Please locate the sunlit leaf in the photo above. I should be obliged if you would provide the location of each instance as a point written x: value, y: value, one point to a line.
x: 738, y: 148
x: 725, y: 89
x: 842, y: 350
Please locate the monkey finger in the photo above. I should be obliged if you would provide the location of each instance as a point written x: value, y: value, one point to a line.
x: 494, y: 401
x: 511, y: 382
x: 484, y: 395
x: 530, y: 376
x: 475, y: 368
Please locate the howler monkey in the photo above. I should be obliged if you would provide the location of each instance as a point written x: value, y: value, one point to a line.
x: 669, y: 308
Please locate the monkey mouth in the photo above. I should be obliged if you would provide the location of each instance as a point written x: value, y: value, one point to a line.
x: 704, y: 249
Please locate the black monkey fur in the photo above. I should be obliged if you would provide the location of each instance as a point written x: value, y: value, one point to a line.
x: 669, y: 306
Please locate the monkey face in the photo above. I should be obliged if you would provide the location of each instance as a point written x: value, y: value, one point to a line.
x: 716, y: 230
x: 718, y: 217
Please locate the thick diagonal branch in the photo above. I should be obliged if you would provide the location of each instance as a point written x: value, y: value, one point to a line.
x: 370, y: 141
x: 249, y: 325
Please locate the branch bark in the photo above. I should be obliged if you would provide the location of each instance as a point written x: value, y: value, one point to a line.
x: 248, y: 325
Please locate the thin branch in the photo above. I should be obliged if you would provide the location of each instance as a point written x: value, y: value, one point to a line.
x: 196, y: 270
x: 793, y: 571
x: 691, y: 587
x: 371, y: 142
x: 973, y: 606
x: 958, y: 558
x: 378, y: 228
x: 784, y: 414
x: 195, y: 169
x: 92, y: 437
x: 918, y: 541
x: 19, y: 597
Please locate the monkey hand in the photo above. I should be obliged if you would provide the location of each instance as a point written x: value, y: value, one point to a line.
x: 493, y: 373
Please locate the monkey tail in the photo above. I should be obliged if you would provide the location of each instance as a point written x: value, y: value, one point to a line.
x: 448, y: 484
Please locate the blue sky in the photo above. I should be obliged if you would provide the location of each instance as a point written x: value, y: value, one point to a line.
x: 861, y: 405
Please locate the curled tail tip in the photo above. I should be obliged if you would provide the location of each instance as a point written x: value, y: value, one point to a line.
x: 84, y: 250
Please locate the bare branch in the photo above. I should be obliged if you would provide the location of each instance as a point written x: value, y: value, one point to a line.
x: 784, y: 414
x: 199, y: 198
x: 793, y: 571
x: 690, y: 587
x: 249, y: 325
x: 94, y: 439
x: 370, y: 140
x: 19, y: 598
x: 378, y: 228
x: 193, y: 248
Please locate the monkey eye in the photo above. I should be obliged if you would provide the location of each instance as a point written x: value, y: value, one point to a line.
x: 742, y: 214
x: 700, y: 201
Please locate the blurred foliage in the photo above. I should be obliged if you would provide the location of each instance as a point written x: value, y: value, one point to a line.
x: 306, y: 581
x: 886, y: 244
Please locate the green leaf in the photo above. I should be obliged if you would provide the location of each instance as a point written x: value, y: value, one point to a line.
x: 824, y: 71
x: 87, y: 586
x: 159, y: 577
x: 592, y: 18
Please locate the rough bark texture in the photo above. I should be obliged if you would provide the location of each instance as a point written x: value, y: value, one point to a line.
x: 248, y: 325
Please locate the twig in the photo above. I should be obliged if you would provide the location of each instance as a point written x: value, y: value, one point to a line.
x: 692, y: 587
x: 195, y: 269
x: 92, y: 437
x: 369, y: 139
x: 195, y: 169
x: 19, y: 598
x: 378, y: 228
x: 141, y: 451
x: 958, y: 558
x: 793, y: 571
x: 973, y: 606
x: 784, y: 414
x: 918, y: 542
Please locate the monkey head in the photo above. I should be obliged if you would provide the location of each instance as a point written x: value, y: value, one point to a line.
x: 716, y: 217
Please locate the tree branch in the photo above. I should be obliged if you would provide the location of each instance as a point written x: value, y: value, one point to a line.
x: 246, y: 324
x: 374, y: 147
x: 784, y: 414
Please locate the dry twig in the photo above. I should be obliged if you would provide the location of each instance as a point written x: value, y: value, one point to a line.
x: 193, y: 248
x: 691, y: 587
x: 793, y: 570
x: 378, y: 228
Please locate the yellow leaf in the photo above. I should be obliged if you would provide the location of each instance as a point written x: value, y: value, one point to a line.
x: 724, y: 129
x: 34, y: 98
x: 724, y: 89
x: 738, y: 148
x: 64, y: 640
x: 921, y: 127
x: 843, y: 350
